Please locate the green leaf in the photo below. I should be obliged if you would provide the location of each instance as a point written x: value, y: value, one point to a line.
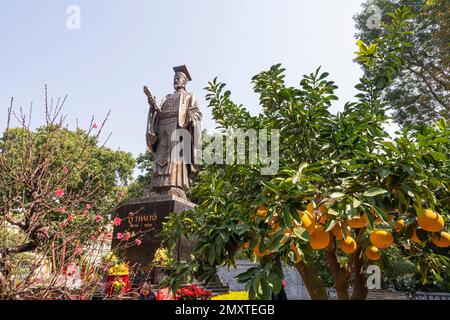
x: 332, y: 224
x: 324, y: 75
x: 374, y: 191
x: 383, y: 172
x: 274, y: 282
x: 390, y: 146
x: 437, y: 155
x: 336, y: 195
x: 302, y: 233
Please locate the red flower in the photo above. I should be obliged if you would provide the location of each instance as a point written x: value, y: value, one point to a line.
x: 126, y: 236
x: 65, y: 169
x: 70, y: 218
x: 137, y: 242
x: 119, y: 236
x: 59, y: 192
x: 85, y: 213
x: 98, y: 218
x: 62, y: 210
x: 117, y: 221
x: 92, y: 237
x: 94, y: 126
x: 88, y: 206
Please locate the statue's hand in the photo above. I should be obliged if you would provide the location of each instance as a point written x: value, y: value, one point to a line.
x: 147, y: 91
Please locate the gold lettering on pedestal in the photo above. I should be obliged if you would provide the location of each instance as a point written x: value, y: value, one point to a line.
x: 142, y: 221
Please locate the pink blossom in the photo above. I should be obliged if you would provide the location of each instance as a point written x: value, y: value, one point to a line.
x: 94, y: 126
x: 88, y: 206
x: 62, y: 210
x: 65, y: 169
x: 119, y: 236
x: 78, y: 250
x: 70, y: 218
x: 117, y: 221
x: 126, y: 236
x: 137, y: 242
x: 130, y: 213
x: 98, y: 218
x: 85, y: 213
x: 59, y: 192
x: 71, y: 269
x: 92, y: 237
x: 63, y: 224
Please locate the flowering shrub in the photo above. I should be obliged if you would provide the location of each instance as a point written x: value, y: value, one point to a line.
x: 232, y: 295
x: 115, y: 266
x: 58, y: 189
x: 192, y: 292
x: 118, y: 286
x: 120, y: 269
x: 162, y: 257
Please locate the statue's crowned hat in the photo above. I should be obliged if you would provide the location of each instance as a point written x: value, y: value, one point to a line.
x: 184, y: 70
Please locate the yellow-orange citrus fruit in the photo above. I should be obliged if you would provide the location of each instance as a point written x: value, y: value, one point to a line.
x: 244, y: 245
x: 319, y: 238
x: 310, y: 209
x: 323, y: 219
x: 298, y: 256
x: 373, y: 253
x: 441, y: 239
x: 378, y: 220
x: 430, y: 221
x: 414, y: 237
x: 322, y: 214
x: 337, y: 231
x: 399, y: 225
x: 348, y: 245
x: 381, y: 238
x: 260, y: 254
x: 307, y: 219
x: 261, y: 211
x: 357, y: 222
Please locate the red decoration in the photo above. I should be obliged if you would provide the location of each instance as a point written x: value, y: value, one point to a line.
x: 164, y: 294
x: 109, y: 288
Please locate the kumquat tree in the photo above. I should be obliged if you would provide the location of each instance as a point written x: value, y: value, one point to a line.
x: 346, y: 193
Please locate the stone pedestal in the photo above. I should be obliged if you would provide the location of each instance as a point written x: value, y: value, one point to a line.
x: 144, y: 217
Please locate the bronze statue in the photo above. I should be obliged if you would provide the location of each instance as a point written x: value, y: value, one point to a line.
x: 167, y: 126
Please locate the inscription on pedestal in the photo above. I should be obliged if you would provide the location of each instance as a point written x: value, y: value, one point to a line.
x: 143, y: 219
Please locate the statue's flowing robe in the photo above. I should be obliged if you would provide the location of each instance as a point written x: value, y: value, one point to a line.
x: 177, y: 110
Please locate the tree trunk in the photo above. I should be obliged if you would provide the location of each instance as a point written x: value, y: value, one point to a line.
x: 359, y: 284
x: 340, y: 274
x: 340, y: 283
x: 313, y: 283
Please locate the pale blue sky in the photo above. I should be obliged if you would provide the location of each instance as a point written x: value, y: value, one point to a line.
x: 123, y: 45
